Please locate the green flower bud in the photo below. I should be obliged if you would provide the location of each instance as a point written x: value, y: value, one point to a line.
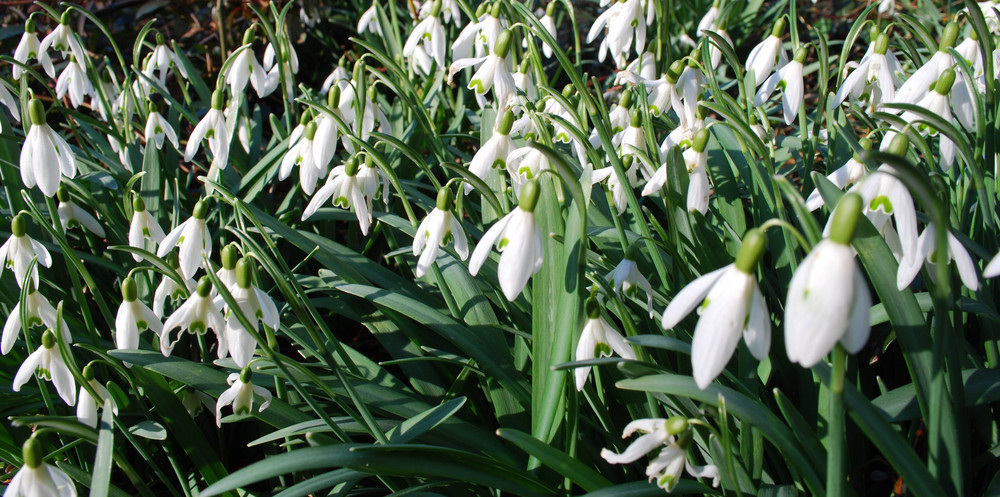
x: 700, y: 141
x: 246, y: 375
x: 159, y: 39
x: 676, y: 425
x: 310, y: 130
x: 636, y: 118
x: 626, y: 98
x: 249, y: 36
x: 243, y: 273
x: 779, y: 27
x: 801, y: 53
x: 18, y: 225
x: 845, y: 218
x: 333, y: 97
x: 502, y: 45
x: 436, y: 8
x: 754, y: 243
x: 945, y: 82
x: 129, y: 290
x: 29, y: 25
x: 200, y: 209
x: 62, y: 194
x: 218, y: 100
x: 88, y: 372
x: 204, y: 287
x: 632, y: 253
x: 48, y: 339
x: 506, y: 123
x: 444, y: 199
x: 230, y: 254
x: 882, y: 43
x: 36, y: 112
x: 495, y: 10
x: 32, y: 453
x: 481, y: 9
x: 948, y: 37
x: 674, y: 71
x: 64, y: 18
x: 529, y: 196
x: 550, y: 9
x: 900, y: 144
x: 351, y: 169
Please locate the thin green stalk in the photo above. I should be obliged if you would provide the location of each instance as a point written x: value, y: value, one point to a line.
x: 836, y: 451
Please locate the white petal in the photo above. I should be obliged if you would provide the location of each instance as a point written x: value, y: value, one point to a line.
x: 690, y: 297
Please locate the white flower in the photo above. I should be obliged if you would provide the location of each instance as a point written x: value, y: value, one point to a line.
x: 86, y: 409
x: 763, y: 56
x: 654, y: 434
x: 790, y: 78
x: 39, y: 312
x: 428, y: 36
x: 161, y: 60
x: 479, y: 37
x: 666, y: 468
x: 919, y: 83
x: 950, y: 88
x: 344, y: 186
x: 549, y: 24
x: 886, y: 196
x: 197, y: 314
x: 71, y: 215
x: 245, y: 67
x: 18, y: 251
x: 598, y: 339
x: 193, y: 238
x: 27, y: 48
x: 493, y: 154
x: 992, y: 269
x: 729, y: 304
x: 133, y: 316
x: 436, y: 230
x: 696, y: 161
x: 158, y: 129
x: 624, y: 22
x: 874, y: 77
x: 369, y: 21
x: 850, y: 173
x: 240, y: 396
x: 302, y: 153
x: 73, y: 80
x: 49, y: 363
x: 828, y: 299
x: 926, y: 247
x: 626, y: 278
x: 37, y: 478
x: 255, y: 306
x: 63, y: 39
x: 8, y: 100
x: 143, y: 228
x: 45, y: 156
x: 494, y: 72
x: 615, y: 184
x: 519, y: 239
x: 524, y: 165
x: 213, y: 127
x: 887, y: 7
x: 169, y: 288
x: 450, y: 12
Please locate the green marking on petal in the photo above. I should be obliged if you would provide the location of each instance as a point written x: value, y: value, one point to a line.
x: 881, y: 202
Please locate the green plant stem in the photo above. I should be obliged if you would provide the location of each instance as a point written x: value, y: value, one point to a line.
x: 836, y: 471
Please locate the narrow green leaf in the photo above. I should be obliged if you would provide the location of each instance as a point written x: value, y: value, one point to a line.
x: 101, y: 481
x: 562, y: 463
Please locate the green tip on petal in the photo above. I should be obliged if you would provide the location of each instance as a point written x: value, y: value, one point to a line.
x: 845, y: 218
x: 204, y: 287
x: 32, y: 453
x: 700, y: 141
x: 948, y: 37
x: 218, y: 100
x: 230, y: 255
x: 529, y: 196
x: 246, y: 375
x: 200, y: 209
x: 593, y: 308
x: 444, y: 199
x: 754, y: 243
x: 36, y: 112
x: 129, y: 290
x: 18, y: 226
x: 243, y: 273
x: 568, y: 90
x: 676, y: 425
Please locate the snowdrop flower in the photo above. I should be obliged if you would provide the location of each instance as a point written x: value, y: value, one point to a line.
x: 549, y: 24
x: 339, y: 77
x: 626, y: 278
x: 245, y: 67
x: 887, y: 7
x: 850, y: 173
x: 86, y: 409
x: 18, y: 251
x: 288, y: 58
x: 143, y: 228
x: 936, y: 102
x: 369, y: 21
x: 926, y: 247
x: 919, y: 84
x: 74, y: 81
x: 39, y: 312
x: 8, y: 100
x: 729, y: 304
x: 63, y: 39
x: 240, y: 395
x: 345, y: 188
x: 524, y: 81
x: 450, y: 12
x: 49, y: 363
x: 598, y: 339
x: 479, y: 37
x: 328, y: 130
x: 763, y: 56
x: 662, y: 93
x: 616, y: 184
x: 789, y: 77
x: 519, y: 240
x: 426, y: 42
x: 193, y: 238
x: 71, y: 215
x: 992, y: 269
x: 198, y: 314
x: 886, y: 196
x: 37, y: 478
x: 213, y: 127
x: 162, y: 60
x: 828, y: 299
x: 28, y: 48
x: 133, y: 317
x: 436, y: 230
x: 159, y: 129
x: 697, y: 162
x: 624, y: 22
x: 255, y: 306
x: 493, y: 73
x: 45, y: 156
x: 666, y: 468
x: 494, y: 153
x: 524, y: 165
x: 169, y: 288
x: 302, y: 153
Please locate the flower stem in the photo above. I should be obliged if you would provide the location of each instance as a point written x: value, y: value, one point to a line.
x: 836, y: 472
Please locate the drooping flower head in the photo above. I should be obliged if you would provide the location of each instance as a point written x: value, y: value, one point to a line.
x: 193, y: 239
x: 45, y: 156
x: 598, y: 339
x: 18, y: 251
x: 344, y: 186
x: 133, y: 317
x: 72, y: 215
x: 38, y: 478
x: 240, y: 395
x: 436, y: 230
x: 256, y: 306
x: 673, y: 437
x: 86, y: 409
x: 767, y: 53
x: 143, y: 228
x: 626, y: 278
x: 48, y: 362
x: 196, y: 315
